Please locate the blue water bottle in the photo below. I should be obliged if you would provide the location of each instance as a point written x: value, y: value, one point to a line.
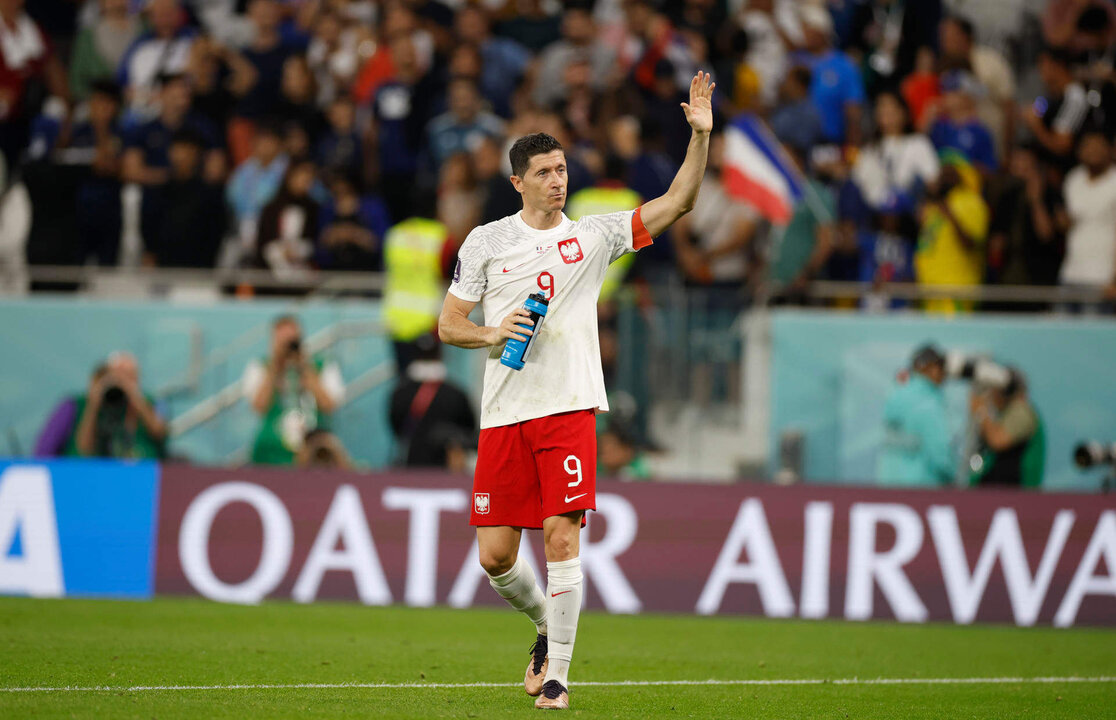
x: 515, y: 351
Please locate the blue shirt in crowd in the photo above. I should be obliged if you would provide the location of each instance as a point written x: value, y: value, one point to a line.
x: 154, y: 138
x: 972, y: 139
x: 836, y: 83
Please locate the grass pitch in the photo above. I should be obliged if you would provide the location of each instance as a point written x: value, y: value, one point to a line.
x: 130, y: 649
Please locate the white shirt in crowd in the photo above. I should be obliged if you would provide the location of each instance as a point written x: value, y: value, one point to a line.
x: 501, y: 264
x: 895, y: 164
x: 715, y: 219
x: 1091, y: 244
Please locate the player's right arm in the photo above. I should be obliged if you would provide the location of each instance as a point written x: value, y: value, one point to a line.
x: 455, y: 327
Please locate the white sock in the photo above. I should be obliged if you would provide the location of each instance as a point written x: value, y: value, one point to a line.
x: 563, y: 605
x: 519, y: 588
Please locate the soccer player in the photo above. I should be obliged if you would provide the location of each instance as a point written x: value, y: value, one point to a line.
x: 536, y: 464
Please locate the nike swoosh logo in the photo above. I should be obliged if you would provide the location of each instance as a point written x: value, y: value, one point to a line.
x: 575, y: 497
x: 507, y: 269
x: 561, y: 593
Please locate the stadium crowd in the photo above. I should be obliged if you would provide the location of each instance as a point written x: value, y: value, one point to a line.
x: 944, y: 141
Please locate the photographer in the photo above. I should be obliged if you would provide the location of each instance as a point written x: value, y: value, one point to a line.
x: 1011, y: 442
x: 916, y: 448
x: 293, y: 392
x: 116, y: 419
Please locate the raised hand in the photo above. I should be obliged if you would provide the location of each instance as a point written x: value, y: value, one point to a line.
x: 699, y: 111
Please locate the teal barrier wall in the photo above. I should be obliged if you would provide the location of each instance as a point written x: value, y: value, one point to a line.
x: 831, y: 373
x: 52, y: 344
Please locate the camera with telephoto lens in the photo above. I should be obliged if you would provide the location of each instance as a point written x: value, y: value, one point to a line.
x: 980, y: 370
x: 294, y: 346
x: 1092, y: 453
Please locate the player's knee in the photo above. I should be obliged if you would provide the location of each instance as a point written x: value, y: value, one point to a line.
x: 496, y: 561
x: 561, y: 546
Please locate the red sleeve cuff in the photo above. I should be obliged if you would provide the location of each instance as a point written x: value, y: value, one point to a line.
x: 640, y: 237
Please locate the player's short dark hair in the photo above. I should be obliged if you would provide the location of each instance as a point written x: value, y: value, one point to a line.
x: 529, y: 146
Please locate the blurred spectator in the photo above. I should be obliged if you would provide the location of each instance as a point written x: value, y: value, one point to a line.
x: 578, y: 43
x: 1025, y: 243
x: 957, y: 127
x: 298, y: 100
x: 255, y: 182
x: 1097, y: 66
x: 505, y: 60
x: 218, y: 76
x: 431, y: 418
x: 916, y: 446
x: 15, y: 227
x: 800, y: 252
x: 117, y: 419
x: 399, y: 40
x: 796, y: 121
x: 535, y: 23
x: 1090, y: 193
x: 460, y: 201
x: 101, y: 46
x: 1061, y: 22
x: 1011, y: 440
x: 322, y: 449
x: 402, y: 108
x: 26, y: 56
x: 460, y: 129
x: 191, y: 227
x: 766, y: 48
x: 610, y: 194
x: 1056, y: 118
x: 56, y: 439
x: 100, y: 145
x: 886, y: 251
x: 649, y: 170
x: 618, y: 456
x: 996, y: 105
x: 837, y: 89
x: 146, y: 157
x: 714, y: 241
x: 920, y: 89
x: 665, y: 51
x: 163, y: 50
x: 353, y: 228
x: 415, y: 251
x: 333, y: 54
x: 340, y: 148
x: 899, y: 163
x: 500, y: 197
x: 890, y: 34
x: 660, y: 111
x: 289, y: 223
x: 266, y: 53
x: 953, y: 233
x: 293, y: 392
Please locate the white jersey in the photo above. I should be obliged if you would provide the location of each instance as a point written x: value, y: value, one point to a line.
x: 500, y: 264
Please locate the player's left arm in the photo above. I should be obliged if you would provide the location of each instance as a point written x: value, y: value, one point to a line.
x: 659, y: 214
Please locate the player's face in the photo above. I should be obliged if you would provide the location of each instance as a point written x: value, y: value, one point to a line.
x: 543, y: 186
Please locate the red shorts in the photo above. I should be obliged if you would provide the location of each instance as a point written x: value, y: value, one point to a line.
x: 536, y: 469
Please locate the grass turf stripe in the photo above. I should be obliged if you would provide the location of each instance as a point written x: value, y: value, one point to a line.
x: 618, y: 683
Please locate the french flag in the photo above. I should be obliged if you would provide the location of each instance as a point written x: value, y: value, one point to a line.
x: 757, y: 170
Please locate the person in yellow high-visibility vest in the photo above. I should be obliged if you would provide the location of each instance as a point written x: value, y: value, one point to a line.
x: 609, y: 195
x: 415, y: 282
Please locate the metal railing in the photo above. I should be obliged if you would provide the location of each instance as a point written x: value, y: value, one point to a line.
x: 158, y: 282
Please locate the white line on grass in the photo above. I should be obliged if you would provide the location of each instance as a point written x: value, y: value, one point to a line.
x: 618, y: 683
